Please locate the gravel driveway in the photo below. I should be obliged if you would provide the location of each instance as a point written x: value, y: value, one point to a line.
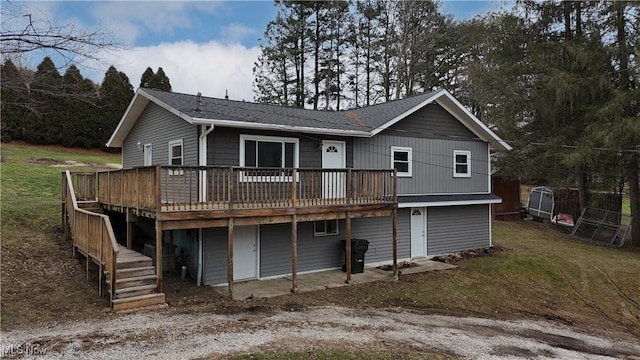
x: 163, y: 335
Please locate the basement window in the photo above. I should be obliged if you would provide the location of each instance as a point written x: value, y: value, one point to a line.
x: 325, y: 227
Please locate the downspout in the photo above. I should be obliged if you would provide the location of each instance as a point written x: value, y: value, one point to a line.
x: 202, y: 161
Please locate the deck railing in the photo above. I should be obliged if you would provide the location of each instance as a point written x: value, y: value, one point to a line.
x: 191, y: 188
x: 91, y: 232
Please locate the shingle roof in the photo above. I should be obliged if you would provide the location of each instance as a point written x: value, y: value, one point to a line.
x: 362, y: 122
x: 362, y: 119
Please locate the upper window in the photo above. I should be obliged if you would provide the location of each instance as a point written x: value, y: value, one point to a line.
x: 401, y: 160
x: 461, y: 163
x: 267, y: 151
x: 176, y: 154
x: 325, y: 227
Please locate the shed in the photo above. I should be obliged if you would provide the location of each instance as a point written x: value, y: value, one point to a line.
x: 507, y: 188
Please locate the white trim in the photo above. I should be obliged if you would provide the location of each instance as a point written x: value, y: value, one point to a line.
x: 474, y: 120
x: 464, y: 193
x: 407, y: 113
x: 490, y: 223
x: 489, y: 180
x: 172, y: 144
x: 456, y: 174
x: 449, y: 203
x: 261, y: 126
x: 409, y: 152
x: 144, y: 154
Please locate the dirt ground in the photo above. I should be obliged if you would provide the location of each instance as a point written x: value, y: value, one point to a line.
x: 163, y: 334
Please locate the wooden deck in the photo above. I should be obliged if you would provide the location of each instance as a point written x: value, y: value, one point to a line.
x: 130, y: 279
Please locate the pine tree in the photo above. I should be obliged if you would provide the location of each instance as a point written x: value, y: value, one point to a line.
x: 115, y: 95
x: 13, y: 99
x: 159, y: 81
x: 145, y: 79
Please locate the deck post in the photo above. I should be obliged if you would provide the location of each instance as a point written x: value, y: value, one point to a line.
x: 294, y: 188
x: 394, y: 217
x: 129, y: 229
x: 230, y: 256
x: 294, y: 253
x: 348, y: 247
x: 159, y: 255
x: 158, y: 186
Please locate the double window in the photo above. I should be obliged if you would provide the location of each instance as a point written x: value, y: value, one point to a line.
x: 325, y: 227
x: 268, y: 152
x: 402, y: 160
x: 461, y: 163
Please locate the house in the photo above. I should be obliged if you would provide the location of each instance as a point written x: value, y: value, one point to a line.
x: 255, y: 191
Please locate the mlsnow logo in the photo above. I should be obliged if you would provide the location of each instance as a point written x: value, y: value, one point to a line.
x: 22, y: 350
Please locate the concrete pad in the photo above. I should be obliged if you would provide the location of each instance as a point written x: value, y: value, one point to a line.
x: 327, y: 279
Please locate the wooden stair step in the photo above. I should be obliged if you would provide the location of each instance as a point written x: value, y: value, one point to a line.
x: 141, y: 301
x: 133, y: 272
x: 134, y: 263
x: 131, y: 291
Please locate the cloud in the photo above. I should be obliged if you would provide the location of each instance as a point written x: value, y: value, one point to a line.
x: 131, y: 19
x: 209, y: 68
x: 236, y: 32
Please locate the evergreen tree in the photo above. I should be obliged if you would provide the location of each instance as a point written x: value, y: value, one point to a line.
x: 12, y: 100
x: 78, y: 114
x: 145, y: 80
x: 159, y: 80
x: 116, y: 92
x: 43, y: 123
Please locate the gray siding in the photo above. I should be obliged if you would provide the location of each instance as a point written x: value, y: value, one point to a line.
x: 431, y: 122
x: 432, y: 163
x: 223, y: 146
x: 379, y: 233
x: 314, y: 253
x: 457, y: 228
x: 214, y: 256
x: 158, y: 126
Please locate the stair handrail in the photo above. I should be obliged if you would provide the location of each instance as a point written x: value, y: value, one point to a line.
x: 108, y: 257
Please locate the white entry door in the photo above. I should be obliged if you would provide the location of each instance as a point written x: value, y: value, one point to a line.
x: 418, y: 232
x: 148, y: 155
x: 333, y: 157
x: 245, y: 252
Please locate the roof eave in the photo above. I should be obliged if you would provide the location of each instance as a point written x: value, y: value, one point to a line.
x: 137, y: 105
x: 262, y: 126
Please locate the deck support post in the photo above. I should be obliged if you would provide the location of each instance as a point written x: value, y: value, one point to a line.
x: 294, y: 253
x: 348, y: 247
x: 230, y: 256
x: 159, y: 255
x: 394, y: 232
x: 129, y: 228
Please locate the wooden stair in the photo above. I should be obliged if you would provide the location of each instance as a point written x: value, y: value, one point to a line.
x: 136, y: 282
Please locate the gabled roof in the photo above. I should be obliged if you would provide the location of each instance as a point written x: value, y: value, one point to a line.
x: 362, y: 122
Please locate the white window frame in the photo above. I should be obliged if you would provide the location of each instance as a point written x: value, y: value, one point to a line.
x: 144, y: 154
x: 409, y: 152
x: 457, y: 174
x: 172, y: 144
x: 276, y: 139
x: 325, y: 233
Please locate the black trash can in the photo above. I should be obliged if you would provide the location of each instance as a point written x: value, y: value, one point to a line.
x: 358, y: 248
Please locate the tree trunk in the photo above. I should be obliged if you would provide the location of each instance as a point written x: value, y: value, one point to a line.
x: 634, y: 197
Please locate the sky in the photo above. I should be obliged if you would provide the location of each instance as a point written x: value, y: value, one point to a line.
x: 202, y: 46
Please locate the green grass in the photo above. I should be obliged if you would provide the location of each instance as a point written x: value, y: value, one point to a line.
x: 542, y: 273
x: 39, y: 276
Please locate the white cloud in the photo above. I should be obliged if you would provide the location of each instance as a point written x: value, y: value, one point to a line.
x: 209, y: 68
x: 236, y: 32
x: 129, y: 20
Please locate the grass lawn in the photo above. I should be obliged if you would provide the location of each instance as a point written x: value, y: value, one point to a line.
x: 540, y: 272
x: 40, y: 279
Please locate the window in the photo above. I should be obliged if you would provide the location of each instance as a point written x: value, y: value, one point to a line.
x: 175, y: 152
x: 461, y: 163
x: 325, y: 227
x: 268, y: 152
x: 401, y: 160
